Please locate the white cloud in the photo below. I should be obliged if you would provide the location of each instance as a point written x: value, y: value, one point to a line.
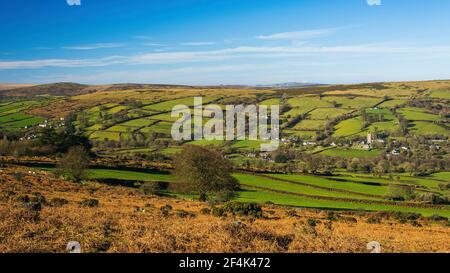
x: 239, y: 53
x: 153, y: 44
x: 73, y: 2
x: 298, y: 35
x: 374, y: 2
x: 94, y: 46
x: 197, y: 43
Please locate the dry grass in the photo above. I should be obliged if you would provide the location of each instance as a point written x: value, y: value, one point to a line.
x: 128, y: 221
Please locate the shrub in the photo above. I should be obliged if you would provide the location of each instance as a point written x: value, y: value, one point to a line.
x: 311, y: 222
x: 165, y: 210
x: 291, y: 213
x: 22, y: 198
x: 350, y: 220
x: 244, y: 209
x: 331, y: 215
x: 205, y: 211
x: 437, y: 218
x: 39, y: 198
x: 373, y: 219
x: 150, y: 188
x: 58, y: 202
x: 91, y: 203
x: 183, y: 214
x: 34, y: 206
x: 404, y: 217
x: 218, y: 212
x: 400, y: 193
x: 18, y: 177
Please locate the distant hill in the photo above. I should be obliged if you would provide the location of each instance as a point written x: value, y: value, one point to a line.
x: 289, y: 85
x: 53, y: 89
x: 9, y: 86
x: 72, y: 89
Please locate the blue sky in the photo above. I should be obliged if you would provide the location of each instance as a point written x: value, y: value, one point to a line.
x: 203, y: 42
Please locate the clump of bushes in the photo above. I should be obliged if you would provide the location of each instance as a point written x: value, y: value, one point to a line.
x: 291, y: 213
x: 183, y: 214
x: 58, y: 202
x: 311, y: 222
x: 205, y: 211
x: 400, y: 193
x: 150, y: 188
x: 404, y: 217
x: 24, y: 198
x: 91, y: 203
x: 433, y: 198
x: 437, y: 218
x: 331, y: 215
x: 166, y: 209
x: 374, y: 219
x: 244, y: 209
x: 218, y: 211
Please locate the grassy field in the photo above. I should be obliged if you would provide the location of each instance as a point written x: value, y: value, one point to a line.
x: 350, y: 153
x: 348, y: 127
x: 353, y: 102
x: 418, y: 114
x: 310, y: 125
x: 427, y: 128
x: 129, y: 175
x: 327, y: 113
x: 443, y: 175
x: 259, y: 196
x: 14, y: 118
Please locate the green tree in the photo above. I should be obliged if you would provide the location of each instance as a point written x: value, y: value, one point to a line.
x: 205, y: 171
x: 73, y: 164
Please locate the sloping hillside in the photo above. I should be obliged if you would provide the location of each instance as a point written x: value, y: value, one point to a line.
x: 39, y: 213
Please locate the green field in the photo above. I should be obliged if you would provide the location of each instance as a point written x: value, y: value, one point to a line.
x: 391, y: 103
x: 332, y: 184
x: 259, y: 196
x: 418, y: 114
x: 129, y: 175
x: 310, y: 125
x: 441, y: 94
x: 427, y: 128
x: 12, y: 117
x: 348, y: 127
x: 291, y: 193
x: 327, y: 113
x: 353, y: 102
x: 350, y: 153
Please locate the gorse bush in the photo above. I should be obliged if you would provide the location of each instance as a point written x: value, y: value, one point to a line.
x: 165, y: 210
x: 217, y: 212
x: 151, y: 188
x: 91, y: 203
x: 244, y: 209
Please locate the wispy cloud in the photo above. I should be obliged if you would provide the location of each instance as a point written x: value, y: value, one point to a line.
x: 178, y: 57
x: 94, y: 46
x: 153, y: 44
x: 73, y: 2
x: 197, y: 43
x: 298, y: 35
x: 374, y: 2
